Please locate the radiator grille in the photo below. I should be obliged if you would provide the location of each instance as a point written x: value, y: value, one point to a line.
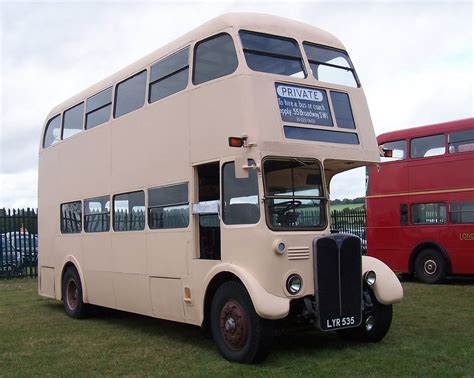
x: 338, y: 284
x: 298, y: 253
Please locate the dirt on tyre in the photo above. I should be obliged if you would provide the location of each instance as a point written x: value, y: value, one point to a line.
x: 72, y: 295
x: 238, y: 332
x: 430, y: 266
x: 375, y: 324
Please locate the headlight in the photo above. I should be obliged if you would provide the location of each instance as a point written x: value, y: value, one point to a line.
x: 294, y: 284
x: 370, y: 277
x: 279, y: 247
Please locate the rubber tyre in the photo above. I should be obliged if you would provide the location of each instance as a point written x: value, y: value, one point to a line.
x: 251, y: 339
x: 383, y: 320
x: 430, y: 266
x: 72, y: 295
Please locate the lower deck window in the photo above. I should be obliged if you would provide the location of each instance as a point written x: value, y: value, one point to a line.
x: 428, y: 213
x: 71, y: 217
x: 129, y: 211
x: 168, y: 207
x: 97, y: 214
x: 461, y: 212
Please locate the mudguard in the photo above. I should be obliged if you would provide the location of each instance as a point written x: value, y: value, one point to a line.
x: 387, y: 287
x: 267, y: 306
x: 73, y: 260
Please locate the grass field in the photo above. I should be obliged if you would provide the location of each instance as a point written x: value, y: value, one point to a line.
x: 350, y: 206
x: 431, y: 335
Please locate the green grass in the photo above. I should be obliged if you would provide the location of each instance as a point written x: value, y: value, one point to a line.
x: 431, y: 335
x: 350, y: 206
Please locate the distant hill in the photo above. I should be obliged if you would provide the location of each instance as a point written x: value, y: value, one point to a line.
x: 347, y: 203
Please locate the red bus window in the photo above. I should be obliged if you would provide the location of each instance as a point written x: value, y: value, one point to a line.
x: 461, y: 141
x: 428, y: 213
x: 398, y: 148
x: 461, y: 212
x: 433, y: 145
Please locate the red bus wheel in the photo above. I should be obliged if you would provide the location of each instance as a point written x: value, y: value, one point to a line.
x: 430, y: 266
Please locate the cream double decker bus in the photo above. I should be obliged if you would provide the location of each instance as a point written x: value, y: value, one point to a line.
x: 193, y: 186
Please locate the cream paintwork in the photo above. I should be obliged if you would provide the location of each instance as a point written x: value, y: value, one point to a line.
x: 387, y: 287
x: 161, y: 144
x: 266, y: 305
x: 58, y: 276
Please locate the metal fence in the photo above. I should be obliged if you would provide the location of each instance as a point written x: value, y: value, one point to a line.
x: 19, y: 240
x: 351, y: 221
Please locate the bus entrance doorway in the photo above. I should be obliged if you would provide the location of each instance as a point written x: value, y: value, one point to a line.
x: 208, y: 219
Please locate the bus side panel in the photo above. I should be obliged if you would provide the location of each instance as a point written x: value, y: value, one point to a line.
x: 46, y: 286
x: 441, y: 172
x: 129, y: 265
x: 166, y: 252
x: 167, y: 298
x: 98, y: 257
x: 461, y: 248
x: 385, y: 235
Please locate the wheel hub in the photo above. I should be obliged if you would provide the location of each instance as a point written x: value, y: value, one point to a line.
x: 233, y: 325
x: 71, y: 295
x: 430, y: 267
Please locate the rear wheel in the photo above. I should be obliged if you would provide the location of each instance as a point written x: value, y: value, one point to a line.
x: 72, y: 295
x: 239, y: 333
x: 430, y: 266
x: 375, y: 324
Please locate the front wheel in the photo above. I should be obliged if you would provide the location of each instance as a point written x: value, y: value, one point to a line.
x: 239, y: 333
x: 375, y: 324
x: 72, y: 295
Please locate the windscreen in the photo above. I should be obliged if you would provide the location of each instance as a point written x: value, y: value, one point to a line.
x: 294, y: 197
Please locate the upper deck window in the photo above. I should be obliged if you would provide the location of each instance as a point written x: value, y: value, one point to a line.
x: 461, y: 141
x: 130, y: 94
x: 273, y: 54
x: 98, y: 108
x: 433, y: 145
x: 330, y: 65
x: 52, y: 134
x: 73, y: 120
x: 398, y: 149
x: 214, y: 57
x: 169, y: 75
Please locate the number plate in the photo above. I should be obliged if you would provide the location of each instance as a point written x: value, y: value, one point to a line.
x: 337, y: 323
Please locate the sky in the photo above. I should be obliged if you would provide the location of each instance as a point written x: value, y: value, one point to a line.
x: 414, y: 59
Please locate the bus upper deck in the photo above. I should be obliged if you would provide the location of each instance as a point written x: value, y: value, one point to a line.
x: 296, y: 89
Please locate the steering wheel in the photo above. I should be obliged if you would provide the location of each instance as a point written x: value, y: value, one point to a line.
x: 288, y: 205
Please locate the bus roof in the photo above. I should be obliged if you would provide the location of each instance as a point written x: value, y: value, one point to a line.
x: 252, y: 21
x: 419, y: 131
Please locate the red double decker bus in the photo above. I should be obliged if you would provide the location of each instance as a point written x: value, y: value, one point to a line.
x: 420, y: 201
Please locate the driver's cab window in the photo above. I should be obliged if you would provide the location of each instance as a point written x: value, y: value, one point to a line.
x: 240, y: 199
x: 294, y: 198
